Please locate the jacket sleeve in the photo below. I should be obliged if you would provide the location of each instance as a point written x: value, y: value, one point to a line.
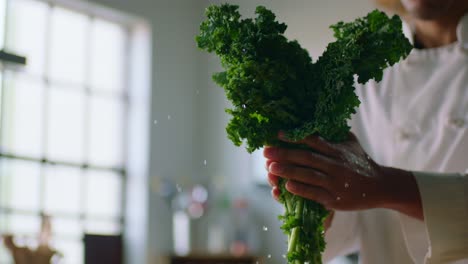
x: 445, y: 205
x: 342, y: 236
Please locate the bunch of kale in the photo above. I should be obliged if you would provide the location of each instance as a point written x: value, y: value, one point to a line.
x: 274, y: 85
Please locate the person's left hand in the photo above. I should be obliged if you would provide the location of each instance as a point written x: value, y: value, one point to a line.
x: 340, y: 176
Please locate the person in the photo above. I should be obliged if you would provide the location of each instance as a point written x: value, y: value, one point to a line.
x: 409, y: 202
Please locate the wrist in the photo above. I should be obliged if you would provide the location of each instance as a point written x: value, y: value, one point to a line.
x: 401, y: 192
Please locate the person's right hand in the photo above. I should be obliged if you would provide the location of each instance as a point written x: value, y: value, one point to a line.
x: 341, y: 176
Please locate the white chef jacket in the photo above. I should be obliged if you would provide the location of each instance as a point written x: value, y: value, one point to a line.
x: 416, y: 119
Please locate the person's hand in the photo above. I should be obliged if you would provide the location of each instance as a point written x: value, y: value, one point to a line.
x: 341, y: 176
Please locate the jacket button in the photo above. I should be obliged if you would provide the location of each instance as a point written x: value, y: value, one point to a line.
x: 404, y: 135
x: 455, y: 122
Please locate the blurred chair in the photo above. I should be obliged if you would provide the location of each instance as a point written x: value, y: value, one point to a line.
x: 101, y: 249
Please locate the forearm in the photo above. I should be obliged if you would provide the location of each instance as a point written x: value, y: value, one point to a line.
x: 402, y: 193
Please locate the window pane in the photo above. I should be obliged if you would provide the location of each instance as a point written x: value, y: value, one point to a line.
x: 19, y: 185
x: 62, y: 190
x: 26, y: 32
x: 103, y: 194
x: 65, y: 227
x: 107, y: 56
x: 2, y: 95
x: 2, y: 22
x: 23, y: 119
x: 101, y: 227
x: 106, y: 131
x: 72, y: 250
x: 66, y: 124
x: 20, y: 225
x: 68, y: 46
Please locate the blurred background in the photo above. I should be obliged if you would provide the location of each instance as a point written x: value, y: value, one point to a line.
x: 112, y: 134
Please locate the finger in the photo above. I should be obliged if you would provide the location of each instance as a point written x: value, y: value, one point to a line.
x: 275, y: 192
x: 317, y: 194
x: 316, y: 143
x: 267, y: 164
x: 300, y: 174
x: 273, y: 180
x: 265, y: 150
x: 302, y: 157
x: 321, y: 145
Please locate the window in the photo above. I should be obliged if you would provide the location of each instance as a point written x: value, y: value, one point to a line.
x: 63, y: 121
x: 257, y: 167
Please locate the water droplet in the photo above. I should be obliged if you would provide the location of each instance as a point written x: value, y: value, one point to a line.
x: 244, y: 106
x: 204, y: 162
x: 169, y: 117
x: 346, y: 185
x: 244, y: 50
x: 363, y: 194
x: 338, y: 198
x: 155, y: 122
x: 265, y: 228
x: 269, y: 255
x: 179, y: 188
x: 284, y: 256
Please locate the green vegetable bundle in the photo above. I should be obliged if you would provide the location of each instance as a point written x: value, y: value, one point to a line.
x: 274, y: 85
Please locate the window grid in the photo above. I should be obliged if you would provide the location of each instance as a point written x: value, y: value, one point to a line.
x: 88, y: 94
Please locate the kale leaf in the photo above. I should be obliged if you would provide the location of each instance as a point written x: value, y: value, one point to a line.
x: 273, y: 83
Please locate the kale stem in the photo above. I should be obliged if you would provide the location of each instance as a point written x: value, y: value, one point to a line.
x: 295, y: 232
x: 287, y: 208
x: 293, y: 240
x: 288, y: 205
